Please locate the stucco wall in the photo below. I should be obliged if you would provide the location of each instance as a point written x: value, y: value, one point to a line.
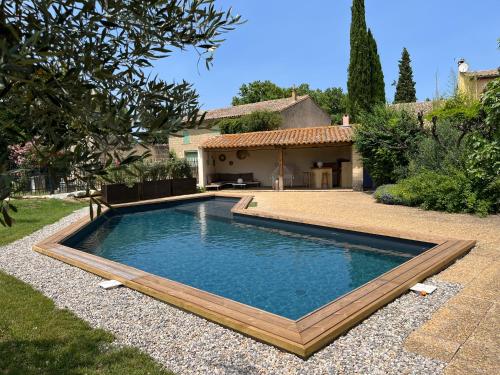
x: 304, y: 114
x: 472, y: 86
x: 196, y: 138
x: 262, y: 163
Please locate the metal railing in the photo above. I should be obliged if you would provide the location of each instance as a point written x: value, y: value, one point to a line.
x: 38, y: 183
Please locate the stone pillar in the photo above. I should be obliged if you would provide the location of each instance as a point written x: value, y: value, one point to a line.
x: 202, y: 167
x: 357, y: 170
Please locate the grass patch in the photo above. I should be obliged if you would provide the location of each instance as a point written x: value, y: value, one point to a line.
x: 34, y: 214
x: 37, y: 338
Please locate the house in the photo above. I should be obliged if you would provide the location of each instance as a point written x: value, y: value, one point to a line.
x: 321, y: 157
x: 473, y: 83
x: 296, y: 111
x: 416, y: 107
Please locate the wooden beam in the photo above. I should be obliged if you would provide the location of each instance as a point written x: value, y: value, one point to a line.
x: 281, y: 178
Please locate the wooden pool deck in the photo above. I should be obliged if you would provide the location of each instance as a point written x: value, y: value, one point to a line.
x: 302, y: 337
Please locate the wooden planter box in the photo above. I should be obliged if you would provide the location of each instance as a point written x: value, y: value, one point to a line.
x: 120, y: 193
x: 155, y: 189
x: 181, y: 186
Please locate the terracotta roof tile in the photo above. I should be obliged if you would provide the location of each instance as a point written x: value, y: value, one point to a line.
x: 484, y: 73
x: 282, y: 137
x: 416, y: 107
x: 277, y: 105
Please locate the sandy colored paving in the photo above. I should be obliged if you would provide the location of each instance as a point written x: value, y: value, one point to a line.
x: 465, y: 332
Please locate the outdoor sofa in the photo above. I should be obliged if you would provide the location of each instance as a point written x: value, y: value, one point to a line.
x: 219, y: 181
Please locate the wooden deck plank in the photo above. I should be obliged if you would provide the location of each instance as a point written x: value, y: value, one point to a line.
x: 99, y: 266
x: 268, y: 334
x: 178, y: 294
x: 348, y: 312
x: 387, y: 291
x: 338, y: 304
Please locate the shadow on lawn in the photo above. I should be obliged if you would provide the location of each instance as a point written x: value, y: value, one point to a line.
x: 80, y: 356
x: 37, y: 338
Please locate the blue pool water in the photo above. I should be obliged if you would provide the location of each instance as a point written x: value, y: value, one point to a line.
x: 286, y: 269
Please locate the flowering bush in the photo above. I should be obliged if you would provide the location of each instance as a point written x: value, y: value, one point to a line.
x: 23, y: 155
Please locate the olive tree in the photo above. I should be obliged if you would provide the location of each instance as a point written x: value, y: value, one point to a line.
x: 76, y: 77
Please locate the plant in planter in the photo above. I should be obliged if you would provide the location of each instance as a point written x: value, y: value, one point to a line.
x: 149, y: 180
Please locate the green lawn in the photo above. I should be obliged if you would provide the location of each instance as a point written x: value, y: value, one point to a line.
x: 36, y: 337
x: 34, y: 214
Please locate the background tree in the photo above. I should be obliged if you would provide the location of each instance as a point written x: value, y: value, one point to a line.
x: 258, y: 91
x: 359, y: 73
x: 78, y: 72
x: 405, y: 88
x: 377, y: 85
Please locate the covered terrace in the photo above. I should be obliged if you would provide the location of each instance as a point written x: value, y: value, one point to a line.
x: 312, y: 158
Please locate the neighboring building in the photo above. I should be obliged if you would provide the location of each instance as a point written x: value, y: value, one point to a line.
x: 297, y: 112
x: 416, y: 107
x: 473, y: 83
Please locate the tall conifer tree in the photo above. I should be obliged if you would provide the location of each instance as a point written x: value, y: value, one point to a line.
x: 377, y: 85
x: 405, y: 89
x: 358, y: 82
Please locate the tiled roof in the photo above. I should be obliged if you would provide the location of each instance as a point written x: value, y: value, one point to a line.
x: 416, y: 107
x: 276, y: 105
x: 282, y: 137
x: 490, y: 73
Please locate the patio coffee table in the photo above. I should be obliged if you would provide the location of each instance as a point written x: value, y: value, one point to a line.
x: 239, y: 186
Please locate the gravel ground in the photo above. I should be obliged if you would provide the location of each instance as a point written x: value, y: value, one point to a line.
x: 187, y: 344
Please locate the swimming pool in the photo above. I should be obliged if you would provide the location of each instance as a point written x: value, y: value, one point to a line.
x: 293, y: 283
x: 285, y: 269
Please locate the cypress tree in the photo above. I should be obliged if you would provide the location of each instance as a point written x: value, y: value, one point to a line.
x: 405, y: 89
x: 377, y: 85
x: 358, y: 81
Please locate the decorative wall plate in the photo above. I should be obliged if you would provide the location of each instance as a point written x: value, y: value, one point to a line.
x: 241, y: 154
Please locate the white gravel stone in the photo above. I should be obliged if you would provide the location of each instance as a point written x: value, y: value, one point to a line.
x: 187, y: 344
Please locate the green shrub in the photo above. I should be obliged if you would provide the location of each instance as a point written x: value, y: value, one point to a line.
x: 142, y: 171
x: 254, y: 122
x: 388, y: 194
x: 490, y: 105
x: 179, y: 168
x: 447, y: 153
x: 385, y: 139
x: 231, y: 126
x: 451, y: 192
x: 454, y: 165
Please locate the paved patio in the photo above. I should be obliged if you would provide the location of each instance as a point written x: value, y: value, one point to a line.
x: 465, y: 332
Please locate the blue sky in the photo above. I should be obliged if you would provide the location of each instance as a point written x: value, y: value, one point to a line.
x: 295, y: 41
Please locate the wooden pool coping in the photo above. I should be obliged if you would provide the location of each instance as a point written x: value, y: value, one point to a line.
x: 302, y: 337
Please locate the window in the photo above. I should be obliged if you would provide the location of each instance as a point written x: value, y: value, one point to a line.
x: 185, y: 137
x: 192, y: 159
